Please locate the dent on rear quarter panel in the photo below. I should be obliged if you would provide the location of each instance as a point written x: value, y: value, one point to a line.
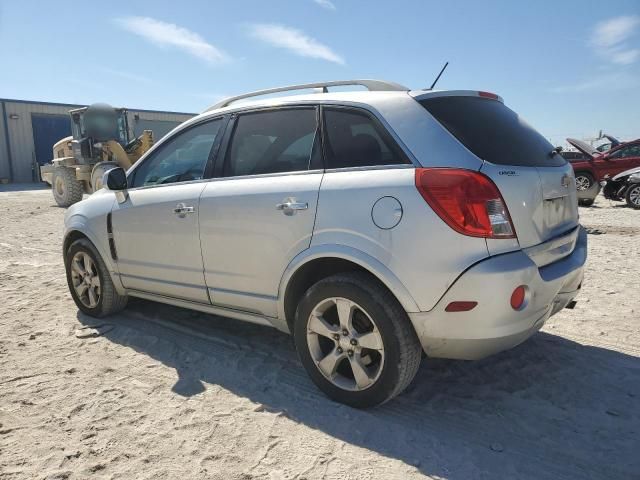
x: 423, y: 252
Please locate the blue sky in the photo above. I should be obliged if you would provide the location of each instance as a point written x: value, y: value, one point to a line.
x: 570, y: 67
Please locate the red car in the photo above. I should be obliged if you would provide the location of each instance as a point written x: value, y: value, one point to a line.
x: 594, y: 166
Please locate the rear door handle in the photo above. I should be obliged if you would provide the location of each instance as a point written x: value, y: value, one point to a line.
x: 290, y: 206
x: 181, y: 209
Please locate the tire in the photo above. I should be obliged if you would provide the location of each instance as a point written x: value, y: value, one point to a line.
x: 632, y: 196
x: 98, y: 172
x: 586, y: 202
x: 108, y: 301
x: 584, y: 181
x: 66, y: 189
x: 378, y: 319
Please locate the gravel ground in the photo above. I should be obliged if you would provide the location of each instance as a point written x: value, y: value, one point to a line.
x: 160, y: 392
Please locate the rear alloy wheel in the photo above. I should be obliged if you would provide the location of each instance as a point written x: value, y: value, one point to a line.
x: 584, y: 181
x: 633, y: 196
x: 355, y: 340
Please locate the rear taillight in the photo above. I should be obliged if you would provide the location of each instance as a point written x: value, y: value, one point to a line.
x: 467, y: 201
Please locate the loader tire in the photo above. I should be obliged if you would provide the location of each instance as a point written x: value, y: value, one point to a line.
x: 98, y: 172
x: 66, y: 189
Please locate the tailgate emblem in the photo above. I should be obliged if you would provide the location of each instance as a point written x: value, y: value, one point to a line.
x: 565, y: 181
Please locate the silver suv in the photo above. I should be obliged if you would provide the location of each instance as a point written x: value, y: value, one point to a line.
x: 372, y: 225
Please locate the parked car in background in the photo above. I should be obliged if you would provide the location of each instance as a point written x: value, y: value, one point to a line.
x: 595, y: 166
x: 372, y: 225
x: 624, y: 187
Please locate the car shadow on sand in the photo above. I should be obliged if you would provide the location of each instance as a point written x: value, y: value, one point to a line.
x: 550, y: 408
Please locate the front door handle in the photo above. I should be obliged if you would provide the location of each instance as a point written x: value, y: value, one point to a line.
x: 290, y: 206
x: 181, y: 210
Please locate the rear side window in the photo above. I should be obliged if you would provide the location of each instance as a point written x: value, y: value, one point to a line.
x: 271, y: 142
x: 354, y: 139
x: 492, y: 131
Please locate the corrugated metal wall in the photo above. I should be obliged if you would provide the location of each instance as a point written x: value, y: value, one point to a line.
x: 21, y: 139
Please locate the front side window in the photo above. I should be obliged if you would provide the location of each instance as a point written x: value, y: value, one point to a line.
x: 271, y: 142
x: 626, y: 152
x: 181, y: 159
x: 354, y: 139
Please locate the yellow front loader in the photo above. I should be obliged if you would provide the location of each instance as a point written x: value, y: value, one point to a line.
x: 101, y: 140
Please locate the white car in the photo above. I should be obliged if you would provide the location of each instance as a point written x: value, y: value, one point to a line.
x: 372, y: 225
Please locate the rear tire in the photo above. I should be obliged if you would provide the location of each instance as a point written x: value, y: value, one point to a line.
x: 633, y: 196
x: 360, y: 376
x: 586, y: 202
x: 99, y: 296
x: 584, y: 181
x: 66, y: 189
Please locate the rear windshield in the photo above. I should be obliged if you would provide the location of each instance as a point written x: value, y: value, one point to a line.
x: 492, y: 131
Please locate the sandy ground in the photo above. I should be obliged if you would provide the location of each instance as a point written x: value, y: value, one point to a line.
x: 168, y: 393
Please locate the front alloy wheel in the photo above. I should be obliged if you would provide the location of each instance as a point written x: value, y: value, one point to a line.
x: 583, y: 182
x: 85, y: 279
x: 633, y: 196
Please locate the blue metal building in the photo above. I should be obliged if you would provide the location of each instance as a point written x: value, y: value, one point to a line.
x: 28, y: 130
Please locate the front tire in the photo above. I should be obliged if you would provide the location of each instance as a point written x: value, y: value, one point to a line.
x: 66, y: 188
x: 98, y: 173
x: 633, y: 196
x: 355, y: 340
x: 89, y: 281
x: 586, y: 202
x: 584, y: 181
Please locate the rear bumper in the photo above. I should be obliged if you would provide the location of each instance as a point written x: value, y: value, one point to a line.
x: 493, y: 326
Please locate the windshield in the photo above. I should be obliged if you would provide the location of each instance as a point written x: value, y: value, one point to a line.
x: 492, y: 131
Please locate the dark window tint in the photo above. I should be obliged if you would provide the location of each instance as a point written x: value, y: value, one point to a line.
x: 272, y: 142
x: 626, y: 152
x: 492, y: 131
x: 354, y: 139
x: 182, y: 158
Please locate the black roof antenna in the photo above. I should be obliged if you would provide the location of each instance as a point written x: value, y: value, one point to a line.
x: 438, y: 77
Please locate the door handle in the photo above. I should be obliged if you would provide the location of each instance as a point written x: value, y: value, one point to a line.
x: 181, y: 209
x: 290, y: 206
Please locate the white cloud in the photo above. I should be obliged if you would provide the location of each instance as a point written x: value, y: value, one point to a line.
x: 328, y: 4
x: 615, y: 30
x: 170, y: 35
x: 610, y: 37
x: 614, y: 81
x: 625, y: 57
x: 293, y: 40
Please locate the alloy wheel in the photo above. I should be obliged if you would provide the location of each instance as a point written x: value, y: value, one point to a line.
x: 634, y: 195
x: 345, y: 344
x: 582, y: 183
x: 85, y: 279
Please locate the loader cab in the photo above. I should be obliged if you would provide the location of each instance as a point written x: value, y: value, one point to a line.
x: 98, y: 123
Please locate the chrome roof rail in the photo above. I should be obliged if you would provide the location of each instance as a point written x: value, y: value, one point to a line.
x: 371, y: 85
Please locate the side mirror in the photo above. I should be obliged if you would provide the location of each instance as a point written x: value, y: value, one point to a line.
x: 115, y: 179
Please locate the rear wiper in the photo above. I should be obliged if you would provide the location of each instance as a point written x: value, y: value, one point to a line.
x: 555, y: 151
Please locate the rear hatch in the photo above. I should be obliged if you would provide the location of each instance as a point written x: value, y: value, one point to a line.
x: 536, y: 183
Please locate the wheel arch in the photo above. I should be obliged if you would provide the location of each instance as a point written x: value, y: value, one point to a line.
x: 317, y: 263
x: 76, y: 232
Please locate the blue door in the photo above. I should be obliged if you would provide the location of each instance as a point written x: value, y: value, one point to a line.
x: 47, y: 130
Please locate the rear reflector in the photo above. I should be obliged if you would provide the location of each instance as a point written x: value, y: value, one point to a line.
x: 460, y: 306
x: 517, y: 297
x: 467, y: 201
